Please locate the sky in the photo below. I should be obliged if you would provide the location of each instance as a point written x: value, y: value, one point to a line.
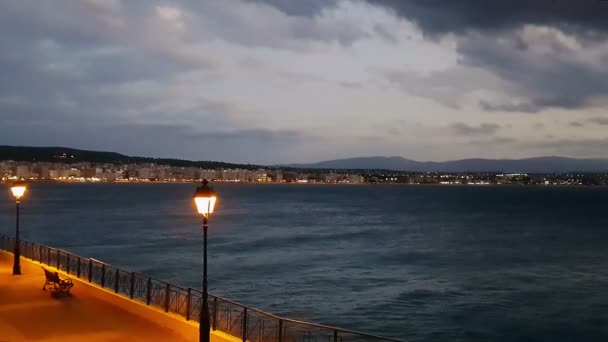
x: 285, y: 81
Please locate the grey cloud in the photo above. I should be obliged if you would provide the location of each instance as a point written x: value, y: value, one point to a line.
x: 538, y: 125
x: 394, y: 131
x: 447, y: 87
x: 300, y: 77
x: 576, y: 124
x: 260, y: 25
x: 299, y: 8
x: 482, y: 129
x: 602, y: 121
x: 385, y: 33
x: 163, y: 140
x: 493, y: 141
x: 568, y: 147
x: 515, y: 108
x: 351, y: 85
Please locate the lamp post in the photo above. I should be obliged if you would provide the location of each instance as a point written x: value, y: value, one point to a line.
x: 205, y: 199
x: 18, y: 190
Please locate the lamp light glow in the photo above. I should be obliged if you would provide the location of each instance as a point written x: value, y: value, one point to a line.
x: 205, y: 199
x: 18, y: 190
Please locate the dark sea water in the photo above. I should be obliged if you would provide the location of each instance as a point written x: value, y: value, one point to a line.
x: 422, y: 263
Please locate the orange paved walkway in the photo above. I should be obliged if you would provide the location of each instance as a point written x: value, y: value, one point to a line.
x: 91, y: 314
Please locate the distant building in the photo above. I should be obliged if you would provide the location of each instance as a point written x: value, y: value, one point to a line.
x: 23, y: 171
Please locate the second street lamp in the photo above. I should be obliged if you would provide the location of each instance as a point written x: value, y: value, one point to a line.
x: 205, y: 199
x: 18, y: 190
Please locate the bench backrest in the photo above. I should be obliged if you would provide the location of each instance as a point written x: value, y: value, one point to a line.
x: 54, y: 277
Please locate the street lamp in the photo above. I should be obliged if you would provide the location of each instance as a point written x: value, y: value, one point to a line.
x: 18, y: 190
x: 205, y: 199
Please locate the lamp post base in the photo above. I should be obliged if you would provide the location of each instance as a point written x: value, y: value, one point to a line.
x: 16, y: 263
x: 17, y: 248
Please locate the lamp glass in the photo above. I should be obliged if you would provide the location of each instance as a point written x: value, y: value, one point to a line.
x: 205, y: 205
x: 18, y: 191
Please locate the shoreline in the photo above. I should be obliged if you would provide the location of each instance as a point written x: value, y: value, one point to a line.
x: 312, y: 183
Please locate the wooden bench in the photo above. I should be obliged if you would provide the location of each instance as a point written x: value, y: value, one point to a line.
x: 52, y: 278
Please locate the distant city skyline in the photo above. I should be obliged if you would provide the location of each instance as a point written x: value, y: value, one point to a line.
x: 278, y: 82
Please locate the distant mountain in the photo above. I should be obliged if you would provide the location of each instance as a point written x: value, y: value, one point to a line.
x: 71, y: 155
x: 527, y: 165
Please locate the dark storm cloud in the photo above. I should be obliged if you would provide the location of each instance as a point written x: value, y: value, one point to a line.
x: 557, y: 78
x: 488, y: 36
x: 482, y: 129
x: 440, y: 16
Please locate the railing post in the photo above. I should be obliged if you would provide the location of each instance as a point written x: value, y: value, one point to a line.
x: 244, y: 324
x: 335, y: 335
x: 116, y: 280
x: 103, y: 274
x: 132, y: 285
x: 57, y: 259
x: 90, y: 269
x: 78, y: 268
x: 167, y: 297
x: 214, y: 313
x: 149, y: 292
x: 25, y: 250
x: 48, y: 256
x: 280, y: 330
x: 188, y: 304
x: 67, y: 263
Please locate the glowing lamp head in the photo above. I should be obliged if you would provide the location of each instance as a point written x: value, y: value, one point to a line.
x: 205, y: 199
x: 18, y: 190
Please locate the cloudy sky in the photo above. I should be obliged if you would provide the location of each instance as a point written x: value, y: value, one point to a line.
x: 277, y: 81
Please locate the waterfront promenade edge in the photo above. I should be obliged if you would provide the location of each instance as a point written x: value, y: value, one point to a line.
x: 229, y: 320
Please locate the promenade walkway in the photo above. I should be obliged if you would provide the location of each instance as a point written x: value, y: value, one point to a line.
x: 91, y: 314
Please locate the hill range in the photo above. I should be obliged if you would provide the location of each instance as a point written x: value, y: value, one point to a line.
x: 527, y: 165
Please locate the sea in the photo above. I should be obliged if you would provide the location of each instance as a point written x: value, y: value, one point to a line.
x: 420, y: 263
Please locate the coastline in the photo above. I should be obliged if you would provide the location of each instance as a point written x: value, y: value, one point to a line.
x: 142, y: 182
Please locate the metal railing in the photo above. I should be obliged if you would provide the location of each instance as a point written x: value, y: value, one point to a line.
x: 227, y: 316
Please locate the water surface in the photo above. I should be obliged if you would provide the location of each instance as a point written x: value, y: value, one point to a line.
x: 423, y: 263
